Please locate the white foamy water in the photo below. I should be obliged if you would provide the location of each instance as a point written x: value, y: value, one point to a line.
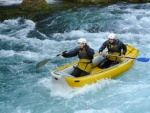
x: 23, y: 89
x: 12, y: 2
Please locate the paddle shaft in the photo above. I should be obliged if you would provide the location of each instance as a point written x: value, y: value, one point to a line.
x: 120, y: 56
x: 43, y: 62
x: 56, y: 56
x: 141, y: 59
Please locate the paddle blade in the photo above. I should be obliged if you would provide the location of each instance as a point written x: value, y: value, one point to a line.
x: 143, y: 59
x: 42, y: 63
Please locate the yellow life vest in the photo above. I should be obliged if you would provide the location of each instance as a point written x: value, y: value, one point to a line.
x: 85, y: 65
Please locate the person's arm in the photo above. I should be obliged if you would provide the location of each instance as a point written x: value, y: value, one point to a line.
x: 104, y: 45
x: 71, y: 53
x: 123, y: 46
x: 89, y: 50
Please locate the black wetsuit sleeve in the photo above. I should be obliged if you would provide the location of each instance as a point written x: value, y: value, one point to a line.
x: 89, y: 50
x: 123, y: 46
x: 104, y: 45
x: 71, y: 53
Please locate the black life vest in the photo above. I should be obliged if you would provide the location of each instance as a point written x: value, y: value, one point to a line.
x: 114, y: 49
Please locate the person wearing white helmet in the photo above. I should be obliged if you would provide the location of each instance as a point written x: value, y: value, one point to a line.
x: 115, y: 48
x: 85, y: 55
x: 82, y: 40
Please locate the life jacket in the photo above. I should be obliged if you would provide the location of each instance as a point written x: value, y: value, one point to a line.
x: 114, y: 49
x: 85, y: 61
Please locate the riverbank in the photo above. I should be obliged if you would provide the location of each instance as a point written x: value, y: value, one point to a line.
x: 24, y: 43
x: 14, y: 11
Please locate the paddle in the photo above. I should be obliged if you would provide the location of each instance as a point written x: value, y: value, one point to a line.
x: 43, y: 62
x: 141, y: 59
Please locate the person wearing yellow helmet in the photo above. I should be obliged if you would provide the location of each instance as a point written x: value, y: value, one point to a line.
x: 115, y: 48
x: 85, y: 55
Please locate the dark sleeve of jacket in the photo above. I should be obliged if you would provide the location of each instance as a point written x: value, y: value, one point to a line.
x: 123, y: 46
x: 71, y: 53
x: 89, y: 50
x: 104, y: 45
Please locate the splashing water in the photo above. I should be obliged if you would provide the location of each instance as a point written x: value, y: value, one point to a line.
x: 23, y: 43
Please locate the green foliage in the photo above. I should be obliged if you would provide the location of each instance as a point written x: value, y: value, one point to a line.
x: 38, y: 5
x: 104, y: 2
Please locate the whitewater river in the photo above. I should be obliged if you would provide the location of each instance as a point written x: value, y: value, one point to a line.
x: 23, y: 43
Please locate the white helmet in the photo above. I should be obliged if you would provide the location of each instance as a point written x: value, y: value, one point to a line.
x: 82, y: 40
x: 111, y: 36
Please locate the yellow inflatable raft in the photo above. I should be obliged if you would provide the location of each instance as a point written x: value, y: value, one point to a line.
x: 63, y: 74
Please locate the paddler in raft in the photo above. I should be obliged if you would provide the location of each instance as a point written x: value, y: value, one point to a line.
x: 85, y: 55
x: 115, y: 48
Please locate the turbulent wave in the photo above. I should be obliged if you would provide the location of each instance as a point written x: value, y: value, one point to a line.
x: 12, y: 2
x: 23, y: 43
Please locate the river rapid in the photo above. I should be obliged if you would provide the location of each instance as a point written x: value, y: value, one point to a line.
x: 23, y: 43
